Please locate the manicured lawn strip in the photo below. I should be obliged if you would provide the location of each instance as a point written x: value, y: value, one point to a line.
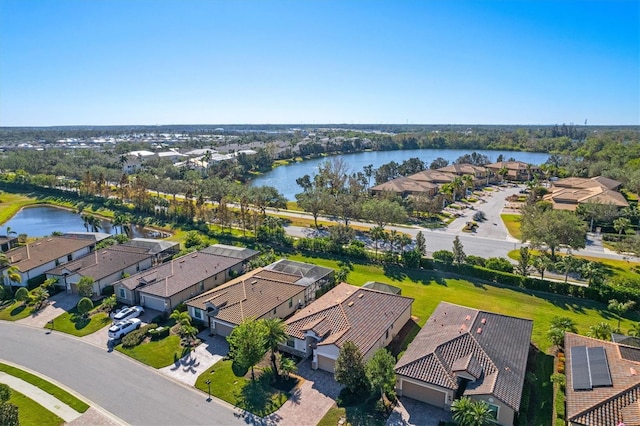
x: 536, y: 407
x: 30, y: 413
x: 11, y: 203
x: 46, y: 386
x: 559, y: 405
x: 358, y: 415
x: 156, y: 353
x: 255, y: 397
x: 15, y: 311
x: 512, y: 222
x: 71, y: 323
x: 428, y: 288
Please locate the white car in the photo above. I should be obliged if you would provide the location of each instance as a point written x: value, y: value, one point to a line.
x: 122, y: 328
x: 128, y: 312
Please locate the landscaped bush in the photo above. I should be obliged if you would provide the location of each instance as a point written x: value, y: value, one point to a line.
x: 475, y: 260
x: 499, y: 264
x: 137, y: 336
x: 479, y: 216
x: 107, y: 290
x: 444, y: 256
x: 159, y: 333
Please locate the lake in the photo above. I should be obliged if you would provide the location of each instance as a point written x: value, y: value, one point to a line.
x: 283, y: 178
x: 44, y: 220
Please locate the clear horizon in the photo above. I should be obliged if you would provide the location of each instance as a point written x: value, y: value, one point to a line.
x: 351, y: 62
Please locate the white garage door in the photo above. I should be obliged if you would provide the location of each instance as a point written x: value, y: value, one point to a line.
x: 424, y: 394
x: 152, y: 302
x: 326, y: 364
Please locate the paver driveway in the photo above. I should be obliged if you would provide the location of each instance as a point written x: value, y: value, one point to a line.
x: 310, y: 401
x: 412, y: 412
x: 58, y: 304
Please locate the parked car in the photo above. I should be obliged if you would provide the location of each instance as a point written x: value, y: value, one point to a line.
x: 122, y: 328
x: 128, y: 312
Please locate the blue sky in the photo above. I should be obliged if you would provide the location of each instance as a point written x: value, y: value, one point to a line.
x: 100, y: 62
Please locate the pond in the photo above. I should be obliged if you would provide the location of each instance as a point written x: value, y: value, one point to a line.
x: 283, y: 178
x: 44, y: 220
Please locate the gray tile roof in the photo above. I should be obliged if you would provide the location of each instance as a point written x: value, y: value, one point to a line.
x: 104, y: 262
x: 179, y: 274
x: 242, y: 253
x: 151, y: 245
x: 349, y: 313
x: 490, y: 346
x: 45, y: 250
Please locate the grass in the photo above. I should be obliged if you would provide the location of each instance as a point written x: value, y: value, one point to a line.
x: 10, y: 204
x: 536, y: 408
x: 428, y: 288
x: 30, y: 413
x: 358, y: 415
x: 15, y: 311
x: 46, y: 386
x: 512, y: 222
x: 73, y: 323
x: 156, y: 353
x: 256, y: 396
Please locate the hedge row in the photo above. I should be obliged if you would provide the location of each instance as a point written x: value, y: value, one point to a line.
x: 599, y: 294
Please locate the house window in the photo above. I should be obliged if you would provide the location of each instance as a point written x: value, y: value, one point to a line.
x: 201, y: 286
x: 291, y: 302
x: 69, y: 258
x: 197, y: 313
x: 386, y: 335
x: 138, y: 267
x: 291, y: 342
x: 494, y: 410
x: 274, y: 311
x: 122, y: 293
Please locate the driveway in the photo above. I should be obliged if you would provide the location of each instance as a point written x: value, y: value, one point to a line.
x: 57, y: 305
x: 412, y: 412
x: 100, y: 337
x: 310, y: 401
x: 188, y: 368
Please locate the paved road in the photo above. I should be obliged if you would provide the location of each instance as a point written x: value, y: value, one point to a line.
x: 133, y: 392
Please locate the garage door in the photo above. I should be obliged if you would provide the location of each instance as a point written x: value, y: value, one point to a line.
x: 424, y: 394
x: 326, y: 364
x: 221, y: 329
x: 152, y: 302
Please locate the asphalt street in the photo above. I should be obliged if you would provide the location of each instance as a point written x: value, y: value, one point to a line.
x: 133, y: 392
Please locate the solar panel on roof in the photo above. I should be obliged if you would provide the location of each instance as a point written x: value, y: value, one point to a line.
x: 599, y: 367
x: 580, y: 368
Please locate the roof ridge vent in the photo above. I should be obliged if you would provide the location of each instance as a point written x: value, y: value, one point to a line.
x: 479, y: 330
x: 350, y: 303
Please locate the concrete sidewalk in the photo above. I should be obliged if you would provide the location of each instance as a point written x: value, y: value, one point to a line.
x: 48, y: 401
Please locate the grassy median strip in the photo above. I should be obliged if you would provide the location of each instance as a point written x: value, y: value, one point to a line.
x: 46, y: 386
x: 73, y: 323
x: 30, y: 413
x: 512, y: 222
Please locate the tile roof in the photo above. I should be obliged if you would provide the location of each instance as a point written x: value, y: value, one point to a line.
x: 348, y: 312
x: 604, y: 406
x: 463, y: 168
x: 46, y: 250
x: 104, y: 262
x: 242, y: 253
x: 511, y: 165
x: 177, y: 275
x: 404, y: 184
x: 251, y: 295
x: 487, y: 345
x: 434, y: 176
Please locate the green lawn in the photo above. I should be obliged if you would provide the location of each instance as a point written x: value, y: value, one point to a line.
x: 512, y: 222
x: 72, y: 323
x: 30, y: 413
x: 536, y: 407
x: 428, y: 288
x: 15, y: 311
x: 358, y: 415
x: 156, y: 353
x: 46, y: 386
x: 256, y: 396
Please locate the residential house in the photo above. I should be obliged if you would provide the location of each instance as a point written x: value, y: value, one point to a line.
x: 404, y: 187
x: 165, y: 286
x: 466, y: 352
x: 481, y: 175
x: 369, y: 318
x: 515, y: 170
x: 569, y: 193
x: 34, y: 259
x: 434, y: 176
x: 105, y: 266
x: 603, y: 382
x: 258, y: 294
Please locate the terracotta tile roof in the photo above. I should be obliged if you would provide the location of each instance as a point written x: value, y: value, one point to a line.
x: 490, y: 346
x: 177, y: 275
x: 46, y: 250
x: 252, y: 295
x: 464, y: 169
x: 434, y: 176
x: 604, y: 406
x: 104, y: 262
x: 405, y: 185
x: 511, y: 165
x: 352, y: 313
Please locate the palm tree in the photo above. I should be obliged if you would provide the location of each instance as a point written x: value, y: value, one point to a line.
x: 557, y: 329
x: 634, y: 330
x: 40, y: 295
x: 180, y: 317
x: 287, y: 366
x: 377, y: 234
x: 276, y: 333
x: 568, y: 263
x: 601, y: 330
x: 620, y: 308
x: 541, y: 264
x: 467, y: 412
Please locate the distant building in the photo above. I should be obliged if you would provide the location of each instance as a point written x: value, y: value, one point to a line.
x: 569, y: 193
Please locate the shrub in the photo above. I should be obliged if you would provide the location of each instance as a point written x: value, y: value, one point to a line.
x: 479, y: 216
x: 499, y: 264
x: 107, y: 290
x: 137, y: 336
x: 444, y: 256
x: 84, y: 306
x: 159, y: 333
x: 22, y: 295
x: 475, y: 260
